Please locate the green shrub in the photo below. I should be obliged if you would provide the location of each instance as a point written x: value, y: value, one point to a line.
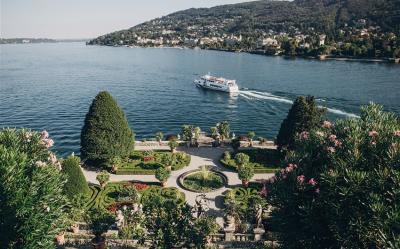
x: 246, y: 172
x: 32, y: 204
x: 76, y: 181
x: 304, y: 115
x: 341, y: 188
x: 106, y: 133
x: 241, y: 159
x: 103, y: 177
x: 162, y: 174
x: 227, y: 155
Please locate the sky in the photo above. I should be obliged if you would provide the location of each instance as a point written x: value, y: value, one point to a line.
x: 77, y: 19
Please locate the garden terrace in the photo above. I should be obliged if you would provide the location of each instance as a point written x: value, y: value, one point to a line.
x: 263, y: 160
x: 108, y: 197
x: 147, y: 162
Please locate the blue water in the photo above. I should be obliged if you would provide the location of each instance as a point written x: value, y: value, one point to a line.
x: 50, y: 86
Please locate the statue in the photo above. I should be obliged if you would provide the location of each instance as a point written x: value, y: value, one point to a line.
x: 120, y: 219
x: 259, y: 212
x: 201, y: 204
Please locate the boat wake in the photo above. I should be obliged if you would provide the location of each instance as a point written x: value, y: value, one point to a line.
x: 250, y: 94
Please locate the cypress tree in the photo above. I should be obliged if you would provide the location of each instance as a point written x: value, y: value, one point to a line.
x: 303, y: 116
x: 76, y: 181
x: 106, y: 133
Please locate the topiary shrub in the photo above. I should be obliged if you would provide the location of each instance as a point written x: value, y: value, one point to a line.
x: 341, y: 188
x: 32, y: 204
x: 162, y: 175
x: 303, y: 116
x: 76, y: 181
x: 106, y: 133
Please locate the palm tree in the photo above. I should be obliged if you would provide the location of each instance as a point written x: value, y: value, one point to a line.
x: 251, y: 135
x: 159, y: 137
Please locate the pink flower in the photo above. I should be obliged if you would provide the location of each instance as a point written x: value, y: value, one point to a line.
x: 373, y: 143
x: 28, y: 136
x: 397, y: 133
x: 320, y: 133
x: 338, y: 143
x: 40, y: 164
x: 44, y: 134
x: 312, y: 182
x: 332, y: 138
x: 47, y: 142
x: 52, y: 158
x: 326, y: 124
x: 58, y: 165
x: 317, y: 191
x: 304, y: 135
x: 373, y: 133
x: 289, y: 168
x: 264, y: 191
x: 331, y: 149
x: 300, y: 179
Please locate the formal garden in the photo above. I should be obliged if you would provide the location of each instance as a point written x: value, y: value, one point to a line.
x: 337, y: 188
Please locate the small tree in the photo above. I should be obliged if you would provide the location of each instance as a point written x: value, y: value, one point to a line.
x: 241, y: 159
x: 303, y: 116
x: 173, y: 144
x: 167, y: 159
x: 203, y: 227
x: 76, y: 181
x: 223, y: 129
x: 103, y: 177
x: 106, y: 132
x: 251, y: 135
x: 245, y: 173
x: 159, y: 137
x: 162, y: 174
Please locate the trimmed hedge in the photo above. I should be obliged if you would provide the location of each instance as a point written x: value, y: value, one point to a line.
x: 263, y: 160
x: 76, y: 181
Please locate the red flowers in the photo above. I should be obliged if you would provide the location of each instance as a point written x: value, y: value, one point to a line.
x: 304, y: 135
x: 312, y: 182
x: 301, y: 179
x: 140, y: 186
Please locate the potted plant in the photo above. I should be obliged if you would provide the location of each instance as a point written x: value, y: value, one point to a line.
x: 167, y: 159
x: 251, y: 135
x: 148, y: 155
x: 159, y: 137
x: 162, y: 174
x: 172, y: 145
x: 241, y: 159
x: 99, y: 221
x: 245, y: 173
x: 103, y: 177
x: 77, y: 212
x: 60, y: 239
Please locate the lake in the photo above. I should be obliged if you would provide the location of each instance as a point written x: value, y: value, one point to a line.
x: 50, y: 86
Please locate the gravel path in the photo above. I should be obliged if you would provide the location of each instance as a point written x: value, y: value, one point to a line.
x: 200, y: 156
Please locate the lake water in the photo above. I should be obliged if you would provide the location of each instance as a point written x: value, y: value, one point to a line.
x: 50, y: 86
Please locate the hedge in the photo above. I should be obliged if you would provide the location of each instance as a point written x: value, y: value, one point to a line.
x: 261, y: 159
x: 76, y: 181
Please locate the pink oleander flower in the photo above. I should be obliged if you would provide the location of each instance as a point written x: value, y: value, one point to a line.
x: 326, y: 124
x: 373, y: 143
x: 58, y: 165
x: 40, y: 164
x: 47, y: 142
x: 304, y: 135
x: 317, y: 191
x: 332, y: 138
x: 373, y: 133
x: 44, y: 134
x: 28, y: 136
x: 289, y: 168
x: 397, y: 133
x: 264, y: 191
x: 312, y: 182
x: 338, y: 143
x: 300, y: 179
x: 320, y: 133
x: 52, y: 158
x: 331, y: 149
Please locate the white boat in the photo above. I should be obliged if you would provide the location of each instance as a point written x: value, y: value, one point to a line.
x: 218, y: 84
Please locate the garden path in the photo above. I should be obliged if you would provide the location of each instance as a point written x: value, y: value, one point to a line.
x: 199, y: 156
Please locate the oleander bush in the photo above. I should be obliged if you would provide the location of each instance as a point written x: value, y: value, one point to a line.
x: 106, y: 133
x: 76, y: 181
x: 33, y: 208
x: 262, y: 160
x: 341, y: 188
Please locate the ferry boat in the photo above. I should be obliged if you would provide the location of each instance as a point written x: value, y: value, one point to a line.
x: 218, y: 84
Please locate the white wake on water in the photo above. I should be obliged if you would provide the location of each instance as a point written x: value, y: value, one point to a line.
x: 268, y: 96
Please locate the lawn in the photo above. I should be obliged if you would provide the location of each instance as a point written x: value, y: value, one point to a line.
x: 263, y: 160
x: 146, y: 162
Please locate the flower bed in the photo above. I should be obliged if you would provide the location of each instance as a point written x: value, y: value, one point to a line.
x: 141, y: 164
x: 263, y: 160
x: 107, y: 197
x: 202, y: 180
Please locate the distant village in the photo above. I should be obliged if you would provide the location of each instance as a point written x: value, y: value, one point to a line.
x: 355, y: 40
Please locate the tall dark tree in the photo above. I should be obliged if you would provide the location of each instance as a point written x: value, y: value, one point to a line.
x: 303, y: 116
x: 106, y: 133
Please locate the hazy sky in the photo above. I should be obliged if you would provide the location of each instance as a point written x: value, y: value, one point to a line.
x: 85, y: 18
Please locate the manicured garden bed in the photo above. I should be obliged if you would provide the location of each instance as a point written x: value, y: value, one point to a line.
x: 196, y: 181
x: 146, y: 163
x: 105, y: 198
x: 263, y: 160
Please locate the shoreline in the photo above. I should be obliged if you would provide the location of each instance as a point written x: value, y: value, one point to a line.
x: 257, y: 52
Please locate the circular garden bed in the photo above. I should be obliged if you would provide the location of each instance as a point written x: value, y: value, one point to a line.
x: 202, y: 180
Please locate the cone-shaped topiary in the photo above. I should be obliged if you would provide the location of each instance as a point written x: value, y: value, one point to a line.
x: 303, y: 116
x: 76, y: 181
x: 106, y: 133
